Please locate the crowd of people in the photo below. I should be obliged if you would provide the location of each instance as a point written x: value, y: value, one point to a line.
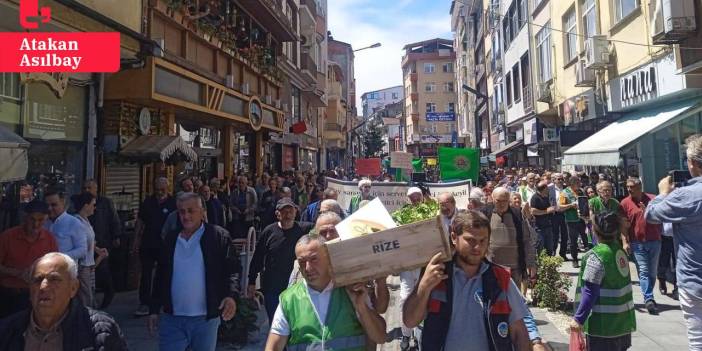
x: 190, y: 269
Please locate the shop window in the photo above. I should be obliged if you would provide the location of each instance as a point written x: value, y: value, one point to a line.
x: 10, y: 100
x: 50, y: 118
x: 58, y: 165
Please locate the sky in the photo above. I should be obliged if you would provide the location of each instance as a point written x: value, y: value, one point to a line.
x: 393, y: 23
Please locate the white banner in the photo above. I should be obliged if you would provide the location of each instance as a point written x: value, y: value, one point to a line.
x: 399, y: 159
x: 394, y: 194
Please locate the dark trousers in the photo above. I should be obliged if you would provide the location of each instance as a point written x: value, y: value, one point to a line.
x: 575, y: 229
x: 546, y: 240
x: 620, y: 343
x: 560, y: 233
x: 13, y: 301
x: 271, y: 300
x: 103, y: 281
x: 148, y: 263
x: 666, y: 261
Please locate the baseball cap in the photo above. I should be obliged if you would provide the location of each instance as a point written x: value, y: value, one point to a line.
x: 36, y: 206
x: 284, y: 202
x: 413, y: 190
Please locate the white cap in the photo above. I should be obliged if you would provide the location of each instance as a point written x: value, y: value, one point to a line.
x: 413, y: 190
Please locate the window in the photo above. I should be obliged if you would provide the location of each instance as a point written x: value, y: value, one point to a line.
x: 448, y: 87
x: 448, y: 67
x: 431, y: 107
x: 429, y: 68
x: 508, y: 88
x: 505, y: 31
x: 10, y: 86
x: 543, y: 49
x: 451, y: 107
x: 589, y: 14
x: 395, y: 96
x: 523, y: 12
x: 526, y: 72
x: 571, y: 39
x: 623, y: 8
x: 517, y: 83
x: 514, y: 26
x: 430, y: 88
x: 295, y: 95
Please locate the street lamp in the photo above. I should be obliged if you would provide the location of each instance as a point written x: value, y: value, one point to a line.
x: 376, y: 45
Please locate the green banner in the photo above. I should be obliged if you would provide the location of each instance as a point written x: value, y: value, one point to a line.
x: 417, y: 165
x: 459, y: 164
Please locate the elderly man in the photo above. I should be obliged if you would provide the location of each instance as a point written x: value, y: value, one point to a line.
x: 349, y: 320
x: 108, y: 234
x: 604, y: 202
x: 510, y: 241
x: 447, y: 210
x: 312, y: 211
x: 331, y: 205
x: 275, y: 253
x: 153, y: 213
x: 186, y: 186
x: 193, y: 284
x: 568, y: 203
x: 644, y: 239
x: 57, y: 320
x: 215, y: 212
x: 242, y: 202
x: 560, y: 228
x: 682, y: 206
x: 476, y: 199
x: 68, y: 231
x: 530, y: 189
x: 458, y: 301
x: 364, y: 185
x: 19, y: 248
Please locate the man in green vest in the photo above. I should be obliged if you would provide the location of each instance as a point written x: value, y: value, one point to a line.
x: 315, y: 315
x: 603, y: 298
x: 364, y: 185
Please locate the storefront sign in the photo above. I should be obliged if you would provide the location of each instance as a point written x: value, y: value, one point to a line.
x: 436, y: 139
x: 255, y: 113
x: 394, y: 194
x: 144, y: 121
x: 441, y: 116
x: 531, y: 135
x: 368, y: 167
x: 551, y: 134
x: 579, y: 108
x: 638, y: 86
x: 399, y: 159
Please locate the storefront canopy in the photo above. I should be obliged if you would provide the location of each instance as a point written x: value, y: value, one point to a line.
x: 508, y: 147
x: 155, y: 147
x: 603, y: 148
x: 13, y: 153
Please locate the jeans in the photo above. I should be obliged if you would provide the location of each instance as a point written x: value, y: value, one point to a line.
x: 546, y: 240
x: 148, y: 259
x: 177, y: 333
x: 575, y: 229
x: 560, y: 233
x: 692, y: 313
x: 666, y: 262
x: 271, y: 301
x: 646, y: 256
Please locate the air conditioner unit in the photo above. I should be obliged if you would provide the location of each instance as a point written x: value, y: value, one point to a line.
x: 229, y: 81
x: 584, y: 77
x: 673, y: 21
x: 543, y: 93
x: 597, y: 52
x: 245, y: 88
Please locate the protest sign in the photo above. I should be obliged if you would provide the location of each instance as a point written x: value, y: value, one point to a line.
x: 368, y: 166
x: 394, y: 194
x: 399, y: 159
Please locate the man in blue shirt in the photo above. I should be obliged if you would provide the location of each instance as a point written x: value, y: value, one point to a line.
x: 682, y: 206
x: 70, y: 236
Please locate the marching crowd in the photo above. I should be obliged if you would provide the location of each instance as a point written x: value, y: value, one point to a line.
x: 51, y: 263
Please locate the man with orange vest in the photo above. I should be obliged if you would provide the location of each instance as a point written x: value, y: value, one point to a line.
x: 451, y: 295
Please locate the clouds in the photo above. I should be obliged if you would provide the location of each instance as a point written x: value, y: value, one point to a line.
x: 392, y: 23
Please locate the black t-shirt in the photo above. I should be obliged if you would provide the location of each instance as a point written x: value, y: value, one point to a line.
x: 153, y: 214
x: 275, y: 255
x: 541, y: 203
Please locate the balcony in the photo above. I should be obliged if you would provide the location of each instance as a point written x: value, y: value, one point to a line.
x: 333, y: 131
x: 414, y: 96
x: 309, y: 67
x: 413, y: 77
x: 527, y: 99
x: 271, y: 15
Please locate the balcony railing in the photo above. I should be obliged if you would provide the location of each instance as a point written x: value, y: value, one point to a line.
x: 332, y: 127
x: 527, y: 98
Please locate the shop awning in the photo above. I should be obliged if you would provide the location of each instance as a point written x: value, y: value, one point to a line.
x: 508, y: 147
x: 155, y: 147
x: 13, y: 153
x: 603, y: 148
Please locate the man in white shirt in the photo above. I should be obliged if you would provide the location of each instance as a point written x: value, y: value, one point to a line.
x: 302, y: 321
x: 447, y: 207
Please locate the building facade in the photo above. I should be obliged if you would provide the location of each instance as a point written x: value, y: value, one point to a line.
x: 378, y: 99
x: 430, y: 96
x: 341, y: 56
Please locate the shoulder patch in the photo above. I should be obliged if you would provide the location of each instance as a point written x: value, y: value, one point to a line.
x: 622, y: 263
x: 503, y: 329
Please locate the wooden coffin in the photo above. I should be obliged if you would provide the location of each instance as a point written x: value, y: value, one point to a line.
x: 387, y: 252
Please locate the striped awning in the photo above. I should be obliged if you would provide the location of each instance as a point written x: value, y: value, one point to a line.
x: 157, y: 147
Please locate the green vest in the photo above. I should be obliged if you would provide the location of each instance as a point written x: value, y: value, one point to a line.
x: 597, y: 206
x: 613, y: 312
x: 341, y: 330
x: 571, y: 214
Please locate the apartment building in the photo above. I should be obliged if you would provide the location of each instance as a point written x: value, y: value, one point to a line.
x: 341, y: 57
x: 378, y: 99
x: 430, y: 96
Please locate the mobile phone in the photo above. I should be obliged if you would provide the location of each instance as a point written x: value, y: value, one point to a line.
x: 680, y: 176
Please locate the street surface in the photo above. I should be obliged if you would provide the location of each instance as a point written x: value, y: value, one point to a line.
x: 665, y: 332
